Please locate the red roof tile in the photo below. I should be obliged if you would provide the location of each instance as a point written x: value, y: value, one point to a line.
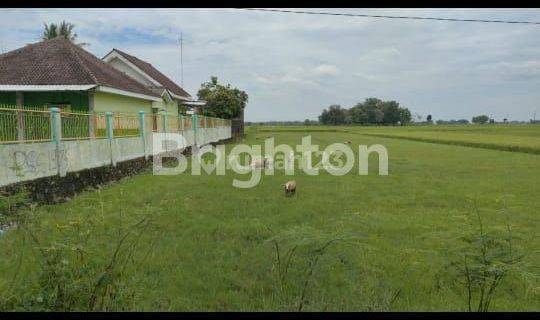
x: 155, y: 74
x: 60, y: 62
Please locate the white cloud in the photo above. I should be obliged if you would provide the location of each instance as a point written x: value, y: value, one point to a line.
x: 326, y: 70
x: 292, y: 66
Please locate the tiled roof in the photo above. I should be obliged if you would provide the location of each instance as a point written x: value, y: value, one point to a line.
x: 60, y: 62
x: 155, y: 74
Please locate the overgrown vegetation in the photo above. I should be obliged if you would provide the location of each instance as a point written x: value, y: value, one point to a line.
x: 71, y: 272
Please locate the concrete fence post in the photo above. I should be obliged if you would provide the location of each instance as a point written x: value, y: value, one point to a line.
x: 56, y: 138
x: 205, y: 131
x: 110, y: 125
x: 166, y: 130
x: 92, y: 120
x: 181, y: 129
x: 142, y: 128
x: 56, y: 125
x: 19, y: 97
x: 92, y: 125
x: 110, y: 134
x: 195, y: 123
x: 20, y: 126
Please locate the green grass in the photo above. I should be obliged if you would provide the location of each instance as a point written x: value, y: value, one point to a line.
x: 210, y: 246
x: 520, y: 138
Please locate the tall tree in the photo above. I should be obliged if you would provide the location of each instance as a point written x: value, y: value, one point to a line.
x: 222, y: 101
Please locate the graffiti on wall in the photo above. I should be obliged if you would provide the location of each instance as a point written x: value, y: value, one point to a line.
x: 31, y: 162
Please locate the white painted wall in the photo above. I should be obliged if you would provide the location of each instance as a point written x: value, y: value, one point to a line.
x: 30, y: 161
x: 123, y: 67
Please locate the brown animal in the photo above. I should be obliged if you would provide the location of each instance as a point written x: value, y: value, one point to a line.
x: 347, y: 142
x: 290, y: 187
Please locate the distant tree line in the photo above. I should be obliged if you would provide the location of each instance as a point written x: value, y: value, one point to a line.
x: 306, y: 122
x: 460, y: 121
x: 481, y: 119
x: 338, y: 113
x: 372, y: 111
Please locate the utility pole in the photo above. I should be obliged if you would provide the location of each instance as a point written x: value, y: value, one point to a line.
x: 181, y: 42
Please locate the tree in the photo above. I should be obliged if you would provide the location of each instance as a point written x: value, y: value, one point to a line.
x: 429, y: 118
x: 481, y: 119
x: 371, y: 111
x: 358, y: 114
x: 334, y: 115
x: 404, y: 116
x: 65, y: 30
x: 222, y: 101
x: 391, y: 112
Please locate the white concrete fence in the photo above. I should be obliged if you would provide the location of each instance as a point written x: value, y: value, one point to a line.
x: 25, y: 161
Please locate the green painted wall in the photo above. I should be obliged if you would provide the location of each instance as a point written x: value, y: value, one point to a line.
x: 8, y: 98
x: 120, y: 104
x: 77, y: 99
x: 171, y: 107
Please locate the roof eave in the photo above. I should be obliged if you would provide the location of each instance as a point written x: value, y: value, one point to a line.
x: 115, y: 54
x: 47, y: 87
x: 183, y: 98
x: 195, y: 103
x: 127, y: 93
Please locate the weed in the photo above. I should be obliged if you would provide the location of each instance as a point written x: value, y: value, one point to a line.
x: 69, y: 276
x: 483, y: 262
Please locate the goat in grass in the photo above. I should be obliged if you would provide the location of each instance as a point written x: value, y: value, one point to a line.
x: 290, y: 187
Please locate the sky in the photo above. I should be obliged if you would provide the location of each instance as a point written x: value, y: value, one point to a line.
x: 293, y: 66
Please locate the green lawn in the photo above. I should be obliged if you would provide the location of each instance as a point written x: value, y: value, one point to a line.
x: 196, y: 243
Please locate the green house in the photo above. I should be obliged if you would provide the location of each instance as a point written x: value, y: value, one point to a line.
x: 57, y: 73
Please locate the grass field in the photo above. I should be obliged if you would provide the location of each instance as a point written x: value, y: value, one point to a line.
x: 355, y: 243
x: 521, y: 138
